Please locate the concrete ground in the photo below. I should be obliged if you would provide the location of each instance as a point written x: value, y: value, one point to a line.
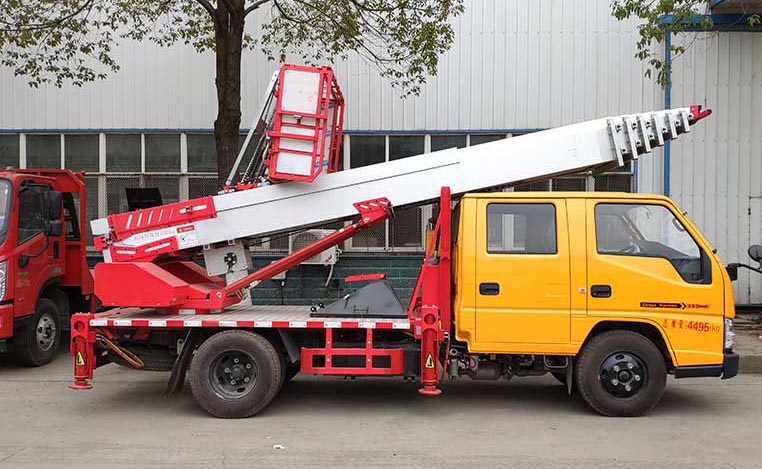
x: 749, y: 346
x: 372, y: 423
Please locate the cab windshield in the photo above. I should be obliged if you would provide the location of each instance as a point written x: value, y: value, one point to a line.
x: 6, y: 189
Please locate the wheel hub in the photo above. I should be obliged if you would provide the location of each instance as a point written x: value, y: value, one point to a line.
x: 623, y: 374
x: 233, y: 374
x: 45, y: 332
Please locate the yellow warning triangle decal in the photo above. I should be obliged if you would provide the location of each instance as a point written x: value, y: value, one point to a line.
x: 429, y: 361
x: 80, y: 360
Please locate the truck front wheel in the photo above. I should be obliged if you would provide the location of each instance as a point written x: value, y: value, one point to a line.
x: 235, y: 374
x: 621, y: 374
x: 38, y: 341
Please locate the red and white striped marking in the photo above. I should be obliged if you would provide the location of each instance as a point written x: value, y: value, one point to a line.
x: 278, y: 317
x: 311, y: 324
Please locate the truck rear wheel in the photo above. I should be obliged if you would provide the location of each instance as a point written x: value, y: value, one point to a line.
x: 235, y: 374
x: 621, y: 374
x: 37, y: 343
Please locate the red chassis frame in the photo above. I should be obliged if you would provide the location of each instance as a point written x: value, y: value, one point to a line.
x: 429, y: 318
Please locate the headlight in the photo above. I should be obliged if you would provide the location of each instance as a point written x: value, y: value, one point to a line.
x: 730, y: 335
x: 3, y: 278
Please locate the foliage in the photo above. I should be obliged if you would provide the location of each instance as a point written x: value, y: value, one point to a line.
x: 687, y: 15
x: 72, y: 41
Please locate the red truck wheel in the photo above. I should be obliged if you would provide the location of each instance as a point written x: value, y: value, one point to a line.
x: 235, y: 374
x: 36, y: 343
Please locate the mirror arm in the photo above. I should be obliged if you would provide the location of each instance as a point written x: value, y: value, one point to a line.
x: 755, y: 269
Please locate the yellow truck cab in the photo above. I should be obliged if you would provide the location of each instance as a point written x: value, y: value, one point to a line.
x: 615, y: 291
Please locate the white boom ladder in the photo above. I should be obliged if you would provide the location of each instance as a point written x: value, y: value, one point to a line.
x: 415, y: 180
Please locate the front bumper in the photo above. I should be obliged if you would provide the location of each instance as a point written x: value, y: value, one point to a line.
x: 727, y: 370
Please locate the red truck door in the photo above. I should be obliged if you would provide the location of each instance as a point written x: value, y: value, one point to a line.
x: 37, y: 256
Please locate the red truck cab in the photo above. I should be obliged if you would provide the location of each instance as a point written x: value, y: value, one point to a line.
x: 44, y: 275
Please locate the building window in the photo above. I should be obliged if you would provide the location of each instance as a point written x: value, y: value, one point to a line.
x: 365, y: 150
x: 573, y: 184
x: 123, y: 153
x: 403, y: 146
x: 406, y: 230
x: 202, y: 186
x: 620, y: 179
x: 116, y: 196
x: 478, y: 139
x: 43, y: 151
x: 81, y: 152
x: 9, y: 150
x: 162, y: 153
x: 202, y: 153
x: 443, y: 142
x: 532, y: 186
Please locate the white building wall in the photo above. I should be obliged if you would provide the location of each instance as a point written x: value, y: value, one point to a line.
x: 716, y: 175
x: 515, y: 65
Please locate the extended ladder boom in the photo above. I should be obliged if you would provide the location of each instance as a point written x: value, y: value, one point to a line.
x: 294, y: 205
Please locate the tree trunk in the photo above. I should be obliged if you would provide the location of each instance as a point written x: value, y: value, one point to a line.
x: 229, y: 24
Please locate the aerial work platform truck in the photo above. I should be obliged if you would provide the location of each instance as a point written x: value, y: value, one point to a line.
x: 609, y: 292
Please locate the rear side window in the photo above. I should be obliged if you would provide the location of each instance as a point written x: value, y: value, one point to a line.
x: 31, y: 211
x: 645, y: 230
x: 514, y: 228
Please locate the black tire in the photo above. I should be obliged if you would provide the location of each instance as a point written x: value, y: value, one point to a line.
x: 290, y: 370
x: 154, y: 358
x: 37, y: 343
x: 61, y: 300
x: 621, y: 374
x: 217, y: 378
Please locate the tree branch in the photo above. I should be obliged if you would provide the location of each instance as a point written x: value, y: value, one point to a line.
x: 208, y: 7
x: 50, y: 23
x: 254, y: 6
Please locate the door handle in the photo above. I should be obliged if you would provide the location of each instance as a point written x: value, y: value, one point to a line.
x: 489, y: 288
x: 600, y: 291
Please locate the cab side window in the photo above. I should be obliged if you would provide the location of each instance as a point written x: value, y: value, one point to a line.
x: 515, y: 228
x: 71, y: 209
x: 31, y: 212
x: 646, y: 230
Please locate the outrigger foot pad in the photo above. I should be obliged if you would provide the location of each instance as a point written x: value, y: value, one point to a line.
x: 80, y: 385
x: 429, y: 391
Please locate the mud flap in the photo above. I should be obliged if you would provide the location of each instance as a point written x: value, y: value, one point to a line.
x: 177, y: 377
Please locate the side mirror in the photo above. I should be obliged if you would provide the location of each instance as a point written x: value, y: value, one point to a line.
x: 755, y: 252
x: 54, y: 204
x: 732, y: 272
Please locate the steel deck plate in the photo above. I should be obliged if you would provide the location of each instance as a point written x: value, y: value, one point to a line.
x: 241, y: 316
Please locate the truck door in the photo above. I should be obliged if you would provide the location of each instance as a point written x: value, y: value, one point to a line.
x: 644, y: 262
x: 32, y: 255
x: 522, y: 272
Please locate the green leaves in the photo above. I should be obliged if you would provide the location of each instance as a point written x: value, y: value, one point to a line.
x: 402, y: 38
x: 71, y: 41
x: 686, y: 15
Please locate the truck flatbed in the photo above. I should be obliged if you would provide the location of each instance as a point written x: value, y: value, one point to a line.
x: 240, y: 316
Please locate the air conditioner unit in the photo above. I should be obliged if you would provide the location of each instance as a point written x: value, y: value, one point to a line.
x: 305, y: 238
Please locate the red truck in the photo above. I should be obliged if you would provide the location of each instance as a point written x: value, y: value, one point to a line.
x: 43, y: 269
